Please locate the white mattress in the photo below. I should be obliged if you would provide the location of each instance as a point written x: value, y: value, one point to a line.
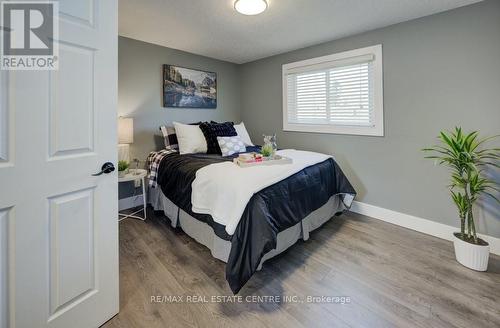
x: 220, y: 248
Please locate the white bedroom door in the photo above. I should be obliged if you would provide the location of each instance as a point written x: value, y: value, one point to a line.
x: 58, y: 223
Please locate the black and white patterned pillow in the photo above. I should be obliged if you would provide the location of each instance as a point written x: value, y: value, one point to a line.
x: 231, y: 145
x: 213, y: 130
x: 169, y: 137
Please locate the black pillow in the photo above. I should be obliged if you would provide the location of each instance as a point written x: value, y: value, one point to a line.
x: 213, y: 130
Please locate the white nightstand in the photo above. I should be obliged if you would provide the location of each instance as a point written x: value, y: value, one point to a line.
x: 135, y: 175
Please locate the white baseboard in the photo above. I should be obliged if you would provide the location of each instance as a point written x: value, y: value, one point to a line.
x: 129, y: 202
x: 418, y: 224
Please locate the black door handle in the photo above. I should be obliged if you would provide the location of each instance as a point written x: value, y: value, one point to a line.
x: 107, y: 167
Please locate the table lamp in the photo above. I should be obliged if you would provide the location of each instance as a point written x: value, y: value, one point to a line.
x: 125, y: 137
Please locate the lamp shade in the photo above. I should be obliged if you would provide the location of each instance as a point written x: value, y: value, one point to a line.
x: 125, y: 130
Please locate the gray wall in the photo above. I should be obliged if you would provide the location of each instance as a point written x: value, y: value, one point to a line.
x: 140, y: 85
x: 439, y: 71
x: 139, y: 93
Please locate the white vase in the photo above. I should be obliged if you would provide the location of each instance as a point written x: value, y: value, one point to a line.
x: 472, y: 256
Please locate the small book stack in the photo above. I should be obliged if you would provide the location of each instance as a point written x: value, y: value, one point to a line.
x: 254, y: 159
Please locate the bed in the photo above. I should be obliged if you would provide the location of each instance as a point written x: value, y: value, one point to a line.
x: 246, y: 217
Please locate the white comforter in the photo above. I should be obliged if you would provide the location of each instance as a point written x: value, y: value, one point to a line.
x: 224, y: 189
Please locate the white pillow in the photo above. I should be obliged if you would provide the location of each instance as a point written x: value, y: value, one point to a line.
x: 243, y: 134
x: 190, y: 138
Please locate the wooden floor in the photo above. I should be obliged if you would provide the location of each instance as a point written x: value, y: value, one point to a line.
x: 394, y: 277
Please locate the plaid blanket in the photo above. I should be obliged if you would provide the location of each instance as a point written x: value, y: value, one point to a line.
x: 153, y: 163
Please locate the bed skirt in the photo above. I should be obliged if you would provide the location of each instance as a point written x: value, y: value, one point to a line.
x: 220, y: 248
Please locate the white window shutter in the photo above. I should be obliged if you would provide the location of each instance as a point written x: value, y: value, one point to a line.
x: 351, y: 95
x: 339, y: 93
x: 307, y: 97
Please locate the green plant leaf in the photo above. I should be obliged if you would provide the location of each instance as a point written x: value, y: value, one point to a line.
x: 460, y: 152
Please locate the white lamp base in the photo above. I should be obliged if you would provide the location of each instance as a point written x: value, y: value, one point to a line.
x: 124, y: 152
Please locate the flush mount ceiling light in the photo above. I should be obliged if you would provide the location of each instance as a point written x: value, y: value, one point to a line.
x: 250, y: 7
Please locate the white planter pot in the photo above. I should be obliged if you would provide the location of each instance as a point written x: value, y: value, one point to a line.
x: 472, y: 256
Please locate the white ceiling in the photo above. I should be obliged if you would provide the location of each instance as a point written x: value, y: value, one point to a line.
x: 213, y: 28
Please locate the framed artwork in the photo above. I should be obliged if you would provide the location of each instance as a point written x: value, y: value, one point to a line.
x: 189, y: 88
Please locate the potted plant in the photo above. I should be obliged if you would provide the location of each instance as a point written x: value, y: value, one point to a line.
x: 270, y: 146
x: 266, y: 150
x: 122, y: 168
x: 461, y: 153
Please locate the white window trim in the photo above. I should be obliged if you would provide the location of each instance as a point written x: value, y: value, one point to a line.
x: 378, y: 116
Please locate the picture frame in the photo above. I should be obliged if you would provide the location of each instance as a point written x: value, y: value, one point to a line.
x: 189, y: 88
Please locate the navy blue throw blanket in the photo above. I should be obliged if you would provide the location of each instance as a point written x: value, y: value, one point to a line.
x: 269, y: 211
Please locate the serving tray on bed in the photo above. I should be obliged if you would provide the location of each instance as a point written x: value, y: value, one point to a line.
x: 276, y: 160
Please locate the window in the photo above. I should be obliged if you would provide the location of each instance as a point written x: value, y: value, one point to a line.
x: 341, y: 93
